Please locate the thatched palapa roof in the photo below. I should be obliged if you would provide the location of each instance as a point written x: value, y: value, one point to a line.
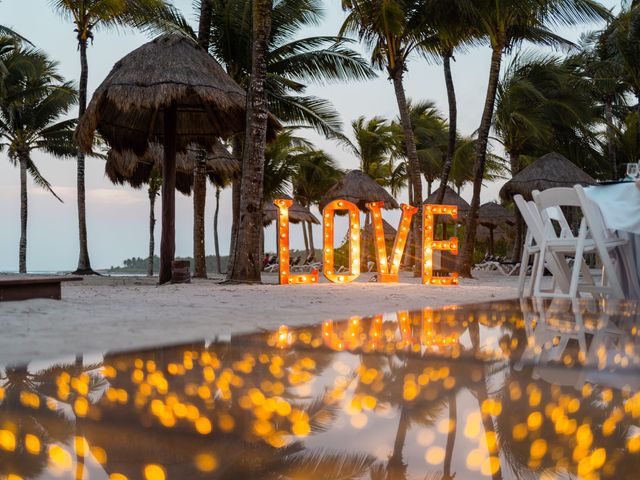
x: 450, y: 198
x: 359, y: 188
x: 389, y: 231
x: 297, y: 214
x: 128, y: 107
x: 127, y: 167
x: 493, y: 214
x: 549, y: 171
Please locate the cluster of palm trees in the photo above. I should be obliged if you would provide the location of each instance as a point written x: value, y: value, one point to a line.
x: 580, y: 104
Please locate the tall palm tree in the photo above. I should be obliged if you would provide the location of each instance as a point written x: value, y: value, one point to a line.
x: 35, y: 97
x: 392, y: 30
x: 87, y: 16
x: 247, y: 262
x: 450, y: 26
x: 505, y: 24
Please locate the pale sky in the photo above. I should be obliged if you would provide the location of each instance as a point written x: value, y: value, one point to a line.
x: 117, y: 216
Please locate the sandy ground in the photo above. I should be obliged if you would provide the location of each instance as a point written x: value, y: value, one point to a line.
x: 114, y: 313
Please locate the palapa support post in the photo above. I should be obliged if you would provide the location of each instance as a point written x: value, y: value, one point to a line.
x: 168, y: 241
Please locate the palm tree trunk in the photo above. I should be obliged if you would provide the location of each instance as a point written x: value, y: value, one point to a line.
x: 168, y: 240
x: 453, y: 125
x: 611, y: 148
x: 152, y: 225
x: 466, y: 260
x: 396, y: 468
x: 514, y: 158
x: 200, y: 179
x: 199, y: 203
x: 246, y: 267
x: 311, y: 245
x: 236, y: 148
x: 84, y: 264
x: 412, y: 156
x: 215, y: 230
x: 23, y: 213
x: 451, y: 438
x: 306, y: 237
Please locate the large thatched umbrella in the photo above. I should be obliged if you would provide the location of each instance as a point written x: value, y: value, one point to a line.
x: 491, y: 215
x: 168, y: 91
x: 127, y: 167
x: 550, y: 170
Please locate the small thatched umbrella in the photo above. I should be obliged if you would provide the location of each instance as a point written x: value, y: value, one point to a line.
x: 550, y: 170
x: 450, y: 198
x: 297, y: 214
x: 491, y: 215
x: 389, y: 232
x: 359, y: 188
x: 172, y: 92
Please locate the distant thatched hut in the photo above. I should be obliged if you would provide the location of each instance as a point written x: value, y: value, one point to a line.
x: 549, y: 171
x: 297, y: 214
x: 450, y: 198
x: 172, y: 92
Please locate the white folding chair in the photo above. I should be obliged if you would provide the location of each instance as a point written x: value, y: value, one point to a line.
x: 605, y: 240
x: 566, y: 245
x: 531, y: 250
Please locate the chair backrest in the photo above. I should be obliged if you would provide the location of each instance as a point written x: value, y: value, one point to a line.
x: 549, y: 203
x: 531, y: 217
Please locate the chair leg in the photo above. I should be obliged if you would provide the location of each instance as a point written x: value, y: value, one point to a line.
x: 540, y: 270
x: 522, y: 276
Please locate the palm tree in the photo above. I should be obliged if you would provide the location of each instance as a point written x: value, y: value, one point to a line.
x: 315, y: 173
x: 392, y: 30
x: 540, y: 102
x: 373, y: 146
x: 451, y: 26
x: 87, y: 16
x: 35, y: 98
x: 622, y: 45
x: 431, y: 134
x: 155, y: 184
x: 505, y: 24
x: 247, y: 262
x: 596, y: 64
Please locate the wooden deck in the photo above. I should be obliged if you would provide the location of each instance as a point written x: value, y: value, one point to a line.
x: 25, y: 287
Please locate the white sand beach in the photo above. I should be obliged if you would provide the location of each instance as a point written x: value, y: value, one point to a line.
x: 114, y: 313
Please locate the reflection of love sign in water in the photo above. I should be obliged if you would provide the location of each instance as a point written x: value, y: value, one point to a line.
x: 388, y: 267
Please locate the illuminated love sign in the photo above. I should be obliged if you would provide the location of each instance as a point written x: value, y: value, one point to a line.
x: 283, y: 248
x: 429, y: 245
x: 354, y: 242
x: 388, y: 270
